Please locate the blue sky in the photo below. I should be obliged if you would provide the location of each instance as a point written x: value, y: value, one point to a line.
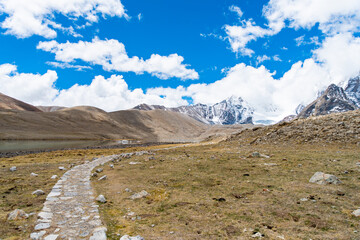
x: 214, y: 57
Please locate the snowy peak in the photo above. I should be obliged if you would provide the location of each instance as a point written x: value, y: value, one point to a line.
x: 334, y: 100
x: 352, y: 90
x: 233, y: 110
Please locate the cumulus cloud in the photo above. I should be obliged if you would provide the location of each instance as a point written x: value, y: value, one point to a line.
x: 112, y: 56
x: 110, y: 94
x: 25, y: 18
x: 39, y: 88
x: 339, y: 54
x: 332, y: 16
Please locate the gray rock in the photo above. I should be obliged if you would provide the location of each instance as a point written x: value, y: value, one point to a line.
x: 34, y: 174
x: 257, y: 235
x: 37, y: 235
x: 54, y: 177
x: 17, y: 214
x: 62, y: 168
x: 99, y: 234
x: 99, y: 170
x: 102, y: 178
x: 356, y: 213
x: 134, y: 163
x: 51, y: 237
x: 38, y: 192
x: 13, y: 169
x: 323, y: 179
x: 127, y: 237
x: 138, y: 195
x: 128, y: 190
x: 42, y: 226
x: 111, y: 166
x: 101, y: 199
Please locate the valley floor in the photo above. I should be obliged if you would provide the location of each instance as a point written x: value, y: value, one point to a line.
x: 217, y: 191
x: 222, y: 192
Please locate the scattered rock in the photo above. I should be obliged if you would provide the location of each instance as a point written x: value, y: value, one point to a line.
x: 62, y: 168
x: 270, y: 164
x: 54, y: 177
x: 111, y: 166
x: 257, y: 235
x: 101, y: 199
x: 127, y: 237
x: 128, y: 190
x: 134, y: 163
x: 340, y: 193
x: 255, y: 154
x: 38, y: 192
x: 99, y: 170
x: 102, y: 178
x: 304, y: 199
x: 138, y: 195
x: 94, y: 174
x: 356, y: 213
x: 322, y: 179
x: 220, y: 199
x: 13, y: 169
x: 17, y: 214
x: 259, y: 155
x: 358, y: 164
x: 37, y: 235
x: 34, y: 174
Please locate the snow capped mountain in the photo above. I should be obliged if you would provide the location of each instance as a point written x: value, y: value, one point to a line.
x: 233, y: 110
x: 352, y: 90
x: 335, y: 99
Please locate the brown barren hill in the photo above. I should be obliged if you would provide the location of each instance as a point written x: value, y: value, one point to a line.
x: 7, y: 102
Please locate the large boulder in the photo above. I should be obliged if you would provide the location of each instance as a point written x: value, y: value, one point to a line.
x: 323, y: 179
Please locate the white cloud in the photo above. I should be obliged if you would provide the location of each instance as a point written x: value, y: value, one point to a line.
x: 236, y: 10
x: 111, y: 55
x: 67, y: 65
x: 34, y: 88
x: 333, y: 16
x: 110, y: 94
x: 339, y: 54
x: 140, y: 16
x: 25, y: 18
x: 240, y: 36
x: 261, y: 59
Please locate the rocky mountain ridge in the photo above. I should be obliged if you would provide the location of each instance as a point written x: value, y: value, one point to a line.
x: 233, y: 110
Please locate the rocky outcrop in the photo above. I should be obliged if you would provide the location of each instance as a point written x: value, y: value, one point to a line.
x: 333, y: 100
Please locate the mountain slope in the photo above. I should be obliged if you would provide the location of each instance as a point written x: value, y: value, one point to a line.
x: 332, y: 128
x: 230, y: 111
x: 93, y: 123
x: 333, y: 100
x: 7, y: 102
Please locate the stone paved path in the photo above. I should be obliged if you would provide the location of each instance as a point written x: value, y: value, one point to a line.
x: 70, y: 211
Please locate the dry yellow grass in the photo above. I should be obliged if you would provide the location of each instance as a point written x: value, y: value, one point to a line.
x: 219, y: 192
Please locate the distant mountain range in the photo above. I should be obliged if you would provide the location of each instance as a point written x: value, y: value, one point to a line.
x: 233, y: 110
